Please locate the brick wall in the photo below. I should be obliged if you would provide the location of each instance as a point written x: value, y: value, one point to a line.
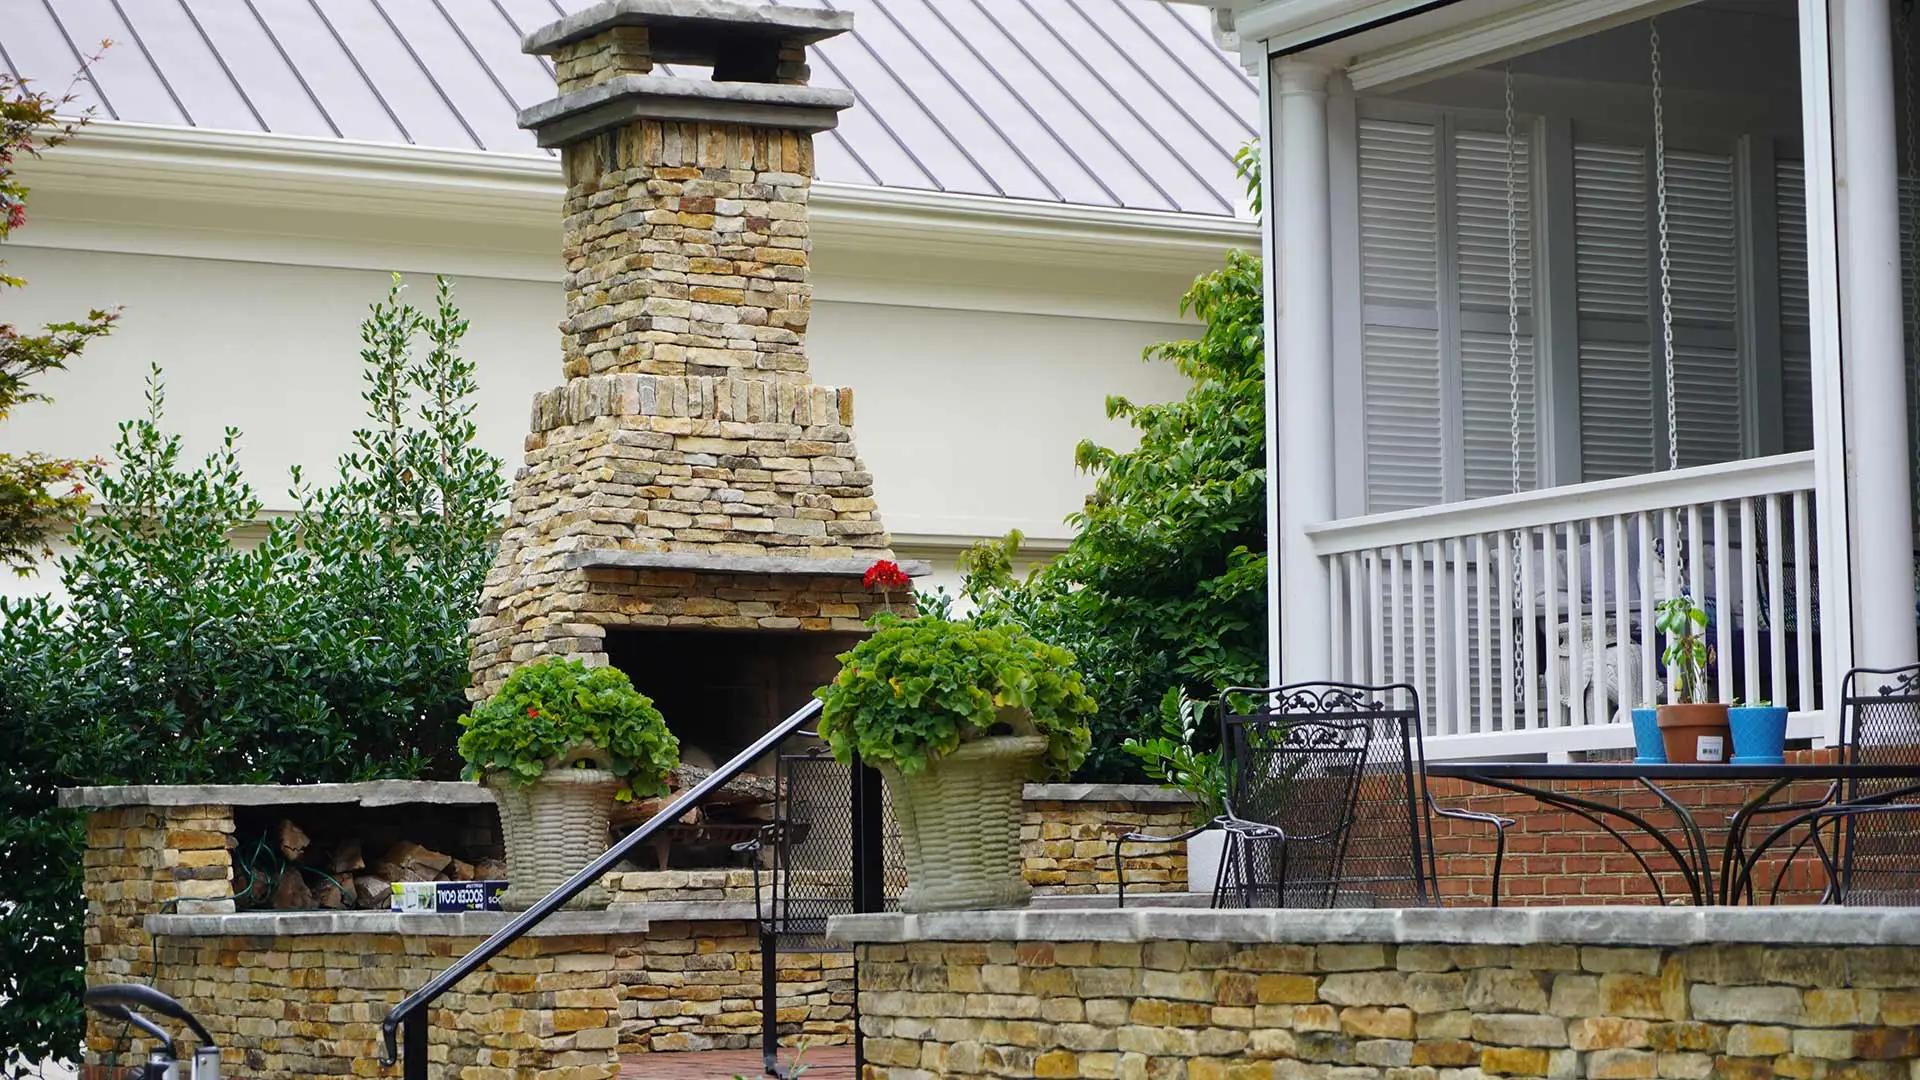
x: 1555, y: 857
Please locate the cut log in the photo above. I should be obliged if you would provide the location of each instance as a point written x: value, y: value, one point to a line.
x: 347, y: 857
x: 291, y: 840
x: 415, y: 863
x: 327, y: 895
x: 745, y: 788
x: 490, y: 870
x: 459, y: 871
x: 292, y: 894
x: 372, y: 892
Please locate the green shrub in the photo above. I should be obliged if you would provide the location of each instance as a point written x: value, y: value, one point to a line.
x: 333, y: 649
x: 1164, y: 582
x: 549, y: 708
x: 918, y: 688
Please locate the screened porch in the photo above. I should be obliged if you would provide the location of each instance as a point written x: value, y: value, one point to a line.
x: 1560, y: 400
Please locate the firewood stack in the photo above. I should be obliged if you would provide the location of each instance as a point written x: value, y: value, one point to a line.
x: 285, y: 871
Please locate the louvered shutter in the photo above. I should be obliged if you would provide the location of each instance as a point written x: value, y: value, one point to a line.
x: 1796, y: 325
x: 1610, y: 286
x: 1481, y: 265
x: 1400, y: 336
x: 1704, y: 252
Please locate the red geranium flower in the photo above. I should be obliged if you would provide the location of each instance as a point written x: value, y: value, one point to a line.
x: 886, y: 574
x: 533, y: 714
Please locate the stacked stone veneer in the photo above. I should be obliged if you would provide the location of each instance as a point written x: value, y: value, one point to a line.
x: 688, y: 424
x: 1385, y: 996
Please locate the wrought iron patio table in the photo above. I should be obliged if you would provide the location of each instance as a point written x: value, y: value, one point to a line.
x: 1692, y: 855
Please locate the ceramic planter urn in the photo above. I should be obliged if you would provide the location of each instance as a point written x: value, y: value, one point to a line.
x: 553, y: 827
x: 960, y: 825
x: 1696, y: 734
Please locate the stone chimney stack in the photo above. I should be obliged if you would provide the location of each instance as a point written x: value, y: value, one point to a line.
x: 688, y: 477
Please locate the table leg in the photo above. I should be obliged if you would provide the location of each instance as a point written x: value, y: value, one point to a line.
x: 1696, y: 842
x: 1733, y: 875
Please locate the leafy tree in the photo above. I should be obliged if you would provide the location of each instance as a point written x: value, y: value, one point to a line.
x: 1164, y: 583
x: 334, y: 649
x: 39, y: 495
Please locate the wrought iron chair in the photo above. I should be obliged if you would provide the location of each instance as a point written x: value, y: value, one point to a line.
x: 1868, y: 839
x: 1327, y: 801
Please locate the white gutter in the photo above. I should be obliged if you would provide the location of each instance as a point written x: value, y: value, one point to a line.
x: 126, y: 160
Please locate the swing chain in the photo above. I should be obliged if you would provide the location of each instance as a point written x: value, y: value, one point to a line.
x: 1666, y: 261
x: 1513, y: 364
x: 1909, y: 224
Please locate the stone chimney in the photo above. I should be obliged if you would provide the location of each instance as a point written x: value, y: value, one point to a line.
x: 691, y: 508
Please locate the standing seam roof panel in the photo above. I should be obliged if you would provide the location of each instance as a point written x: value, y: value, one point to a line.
x: 1091, y: 102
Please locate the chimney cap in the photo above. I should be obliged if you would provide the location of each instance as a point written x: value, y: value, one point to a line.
x: 715, y: 18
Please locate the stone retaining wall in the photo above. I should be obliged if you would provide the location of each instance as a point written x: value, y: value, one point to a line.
x: 1678, y: 994
x: 301, y: 994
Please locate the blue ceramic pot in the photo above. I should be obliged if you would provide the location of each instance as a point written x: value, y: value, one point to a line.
x: 1646, y: 738
x: 1759, y: 734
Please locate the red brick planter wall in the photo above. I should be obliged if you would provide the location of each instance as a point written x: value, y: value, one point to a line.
x: 1555, y: 857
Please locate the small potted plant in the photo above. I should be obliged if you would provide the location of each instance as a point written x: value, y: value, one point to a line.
x: 1693, y: 731
x: 1759, y: 733
x: 1174, y: 755
x: 557, y: 744
x: 957, y: 717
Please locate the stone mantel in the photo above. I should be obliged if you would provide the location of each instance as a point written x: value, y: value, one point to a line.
x: 1610, y: 926
x: 623, y: 559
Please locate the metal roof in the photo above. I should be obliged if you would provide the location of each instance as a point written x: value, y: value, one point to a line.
x: 1122, y: 103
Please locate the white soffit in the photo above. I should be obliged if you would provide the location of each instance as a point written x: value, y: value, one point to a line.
x: 1389, y: 45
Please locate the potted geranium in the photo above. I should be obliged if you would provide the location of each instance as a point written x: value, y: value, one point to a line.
x: 957, y: 717
x: 1693, y: 731
x: 1201, y: 774
x: 557, y: 744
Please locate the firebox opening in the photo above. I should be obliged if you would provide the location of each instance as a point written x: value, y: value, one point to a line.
x: 721, y: 689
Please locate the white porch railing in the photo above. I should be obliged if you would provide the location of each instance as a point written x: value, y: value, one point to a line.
x: 1527, y: 620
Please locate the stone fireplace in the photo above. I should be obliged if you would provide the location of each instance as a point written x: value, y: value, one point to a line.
x: 691, y: 508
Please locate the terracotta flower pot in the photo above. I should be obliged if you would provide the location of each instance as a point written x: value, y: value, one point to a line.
x: 1696, y: 734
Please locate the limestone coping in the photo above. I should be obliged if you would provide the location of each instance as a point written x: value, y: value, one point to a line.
x: 614, y: 919
x: 368, y: 793
x: 802, y: 26
x: 623, y: 559
x: 582, y: 113
x: 1624, y: 926
x: 447, y: 792
x: 1129, y: 793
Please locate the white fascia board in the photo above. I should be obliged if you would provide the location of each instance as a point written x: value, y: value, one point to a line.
x: 1285, y: 25
x: 362, y: 181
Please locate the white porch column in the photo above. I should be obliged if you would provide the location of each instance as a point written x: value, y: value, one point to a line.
x: 1873, y: 375
x: 1304, y: 357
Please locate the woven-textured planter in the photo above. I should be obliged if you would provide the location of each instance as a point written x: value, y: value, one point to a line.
x: 552, y: 828
x: 960, y: 825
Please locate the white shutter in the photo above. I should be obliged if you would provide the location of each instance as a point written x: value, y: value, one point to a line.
x: 1610, y: 286
x: 1796, y: 325
x: 1704, y: 252
x: 1480, y: 262
x: 1400, y: 289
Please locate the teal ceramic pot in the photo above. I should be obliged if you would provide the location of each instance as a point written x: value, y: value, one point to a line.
x: 1759, y: 734
x: 1646, y: 738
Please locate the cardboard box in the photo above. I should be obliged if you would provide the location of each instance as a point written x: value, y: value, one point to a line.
x: 442, y: 897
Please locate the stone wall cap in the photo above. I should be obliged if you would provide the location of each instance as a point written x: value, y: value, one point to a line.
x: 1620, y: 925
x: 366, y: 793
x: 582, y: 113
x: 802, y: 26
x: 621, y: 559
x: 617, y: 919
x: 1125, y: 793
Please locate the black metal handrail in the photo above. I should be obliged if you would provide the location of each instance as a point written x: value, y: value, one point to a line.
x: 411, y: 1012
